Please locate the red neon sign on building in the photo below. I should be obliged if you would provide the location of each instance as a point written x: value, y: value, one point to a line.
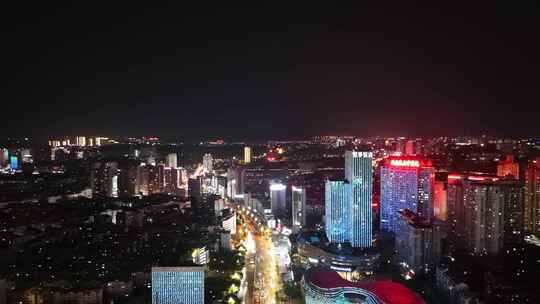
x: 405, y: 163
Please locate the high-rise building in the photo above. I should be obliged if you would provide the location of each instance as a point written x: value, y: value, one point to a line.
x: 532, y: 197
x: 476, y: 213
x: 440, y: 209
x: 194, y: 188
x: 298, y: 208
x: 4, y: 157
x: 235, y: 181
x: 155, y: 179
x: 14, y: 163
x: 128, y: 183
x: 414, y: 241
x: 278, y: 199
x: 172, y: 160
x: 337, y: 210
x: 100, y: 140
x: 513, y: 212
x: 80, y: 141
x: 172, y: 180
x: 359, y: 173
x: 406, y: 183
x: 247, y: 154
x: 143, y: 178
x: 229, y: 223
x: 104, y: 179
x: 208, y: 163
x: 508, y: 167
x: 26, y: 156
x: 172, y: 285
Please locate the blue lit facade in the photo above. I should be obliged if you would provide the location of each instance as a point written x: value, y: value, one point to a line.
x: 405, y: 187
x: 337, y: 209
x: 359, y: 173
x: 172, y: 285
x: 14, y: 163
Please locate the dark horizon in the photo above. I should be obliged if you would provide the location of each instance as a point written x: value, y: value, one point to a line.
x: 188, y: 72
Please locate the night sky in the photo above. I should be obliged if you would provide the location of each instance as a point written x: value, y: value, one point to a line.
x: 280, y: 70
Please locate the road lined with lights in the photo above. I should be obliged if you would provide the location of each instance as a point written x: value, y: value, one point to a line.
x: 263, y: 279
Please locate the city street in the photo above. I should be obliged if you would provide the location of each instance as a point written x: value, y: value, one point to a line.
x: 261, y: 264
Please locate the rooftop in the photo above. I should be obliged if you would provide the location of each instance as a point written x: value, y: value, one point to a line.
x: 387, y: 291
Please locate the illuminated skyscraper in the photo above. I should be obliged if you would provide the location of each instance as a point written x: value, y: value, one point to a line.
x: 532, y: 197
x: 208, y: 162
x: 298, y: 207
x: 278, y: 199
x: 337, y: 210
x: 359, y: 173
x: 14, y: 163
x: 406, y: 183
x: 247, y: 154
x: 172, y: 160
x: 173, y: 285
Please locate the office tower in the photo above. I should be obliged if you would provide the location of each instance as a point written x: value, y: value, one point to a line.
x: 406, y: 183
x: 208, y: 162
x: 298, y: 208
x: 476, y: 214
x: 278, y: 199
x: 532, y: 197
x: 414, y: 241
x: 359, y: 173
x: 104, y: 179
x: 247, y: 154
x: 172, y: 160
x: 80, y: 141
x: 508, y: 167
x: 410, y: 147
x: 172, y: 285
x: 337, y: 210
